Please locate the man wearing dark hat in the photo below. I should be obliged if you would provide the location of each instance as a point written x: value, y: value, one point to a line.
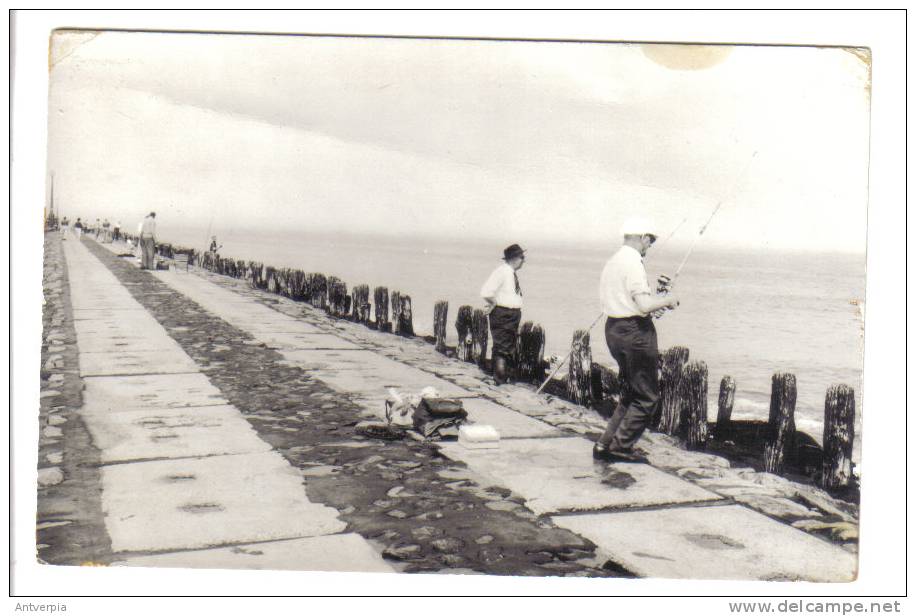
x: 503, y: 296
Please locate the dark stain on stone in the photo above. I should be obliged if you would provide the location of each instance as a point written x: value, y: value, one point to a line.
x: 202, y: 508
x: 180, y: 477
x: 713, y: 542
x: 652, y: 556
x: 618, y: 479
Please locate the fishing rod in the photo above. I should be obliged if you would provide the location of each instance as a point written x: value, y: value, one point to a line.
x: 665, y: 283
x: 568, y: 355
x: 595, y: 322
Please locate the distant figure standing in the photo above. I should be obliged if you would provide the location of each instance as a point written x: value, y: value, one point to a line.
x: 503, y: 296
x: 148, y: 241
x: 628, y: 302
x: 214, y: 248
x: 106, y: 231
x: 78, y: 228
x: 116, y: 234
x: 97, y: 228
x: 64, y: 227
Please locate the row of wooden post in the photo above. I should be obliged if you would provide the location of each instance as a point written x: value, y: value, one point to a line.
x: 682, y: 409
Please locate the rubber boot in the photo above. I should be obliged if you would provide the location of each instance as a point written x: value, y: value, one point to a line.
x: 499, y: 370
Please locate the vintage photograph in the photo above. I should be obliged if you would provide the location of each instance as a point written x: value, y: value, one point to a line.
x: 461, y: 306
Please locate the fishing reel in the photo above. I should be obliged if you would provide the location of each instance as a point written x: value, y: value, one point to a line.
x: 662, y: 287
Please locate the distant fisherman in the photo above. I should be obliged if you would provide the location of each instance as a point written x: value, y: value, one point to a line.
x: 503, y: 296
x: 628, y: 302
x: 148, y: 242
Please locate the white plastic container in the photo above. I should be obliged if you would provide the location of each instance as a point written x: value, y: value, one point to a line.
x: 478, y: 436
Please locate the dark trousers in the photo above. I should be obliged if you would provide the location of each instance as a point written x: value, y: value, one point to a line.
x: 504, y: 330
x: 634, y: 346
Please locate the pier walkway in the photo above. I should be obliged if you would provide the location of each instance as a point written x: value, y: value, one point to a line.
x: 181, y: 469
x: 175, y: 453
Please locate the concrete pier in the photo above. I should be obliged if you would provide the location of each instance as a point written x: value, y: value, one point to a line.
x: 188, y: 481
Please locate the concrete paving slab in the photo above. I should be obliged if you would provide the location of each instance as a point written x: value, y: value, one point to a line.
x: 80, y: 314
x: 558, y: 474
x: 364, y: 371
x: 507, y: 422
x: 172, y: 433
x: 105, y: 394
x: 207, y: 502
x: 301, y: 340
x: 729, y: 542
x: 135, y: 362
x: 102, y: 342
x: 344, y: 552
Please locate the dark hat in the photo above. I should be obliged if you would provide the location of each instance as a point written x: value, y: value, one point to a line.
x: 513, y: 251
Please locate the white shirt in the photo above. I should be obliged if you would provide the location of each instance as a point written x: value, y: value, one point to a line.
x: 624, y: 276
x: 148, y: 227
x: 500, y: 287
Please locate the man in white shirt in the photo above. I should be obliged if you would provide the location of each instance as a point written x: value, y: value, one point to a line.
x: 628, y: 302
x: 148, y: 242
x: 503, y: 296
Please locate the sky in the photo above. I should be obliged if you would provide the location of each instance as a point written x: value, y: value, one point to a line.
x: 526, y: 141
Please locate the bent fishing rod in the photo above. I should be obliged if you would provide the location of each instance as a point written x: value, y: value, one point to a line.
x: 664, y: 283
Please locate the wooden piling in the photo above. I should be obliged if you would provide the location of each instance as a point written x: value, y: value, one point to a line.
x: 464, y: 323
x: 480, y: 336
x: 781, y: 426
x: 337, y: 297
x: 839, y: 431
x: 381, y: 309
x: 605, y: 383
x: 668, y: 416
x: 579, y: 383
x: 440, y: 324
x: 318, y: 290
x: 693, y: 390
x: 530, y: 353
x: 361, y: 306
x: 726, y: 404
x: 402, y: 314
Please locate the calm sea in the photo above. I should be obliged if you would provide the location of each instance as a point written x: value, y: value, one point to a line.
x: 746, y: 314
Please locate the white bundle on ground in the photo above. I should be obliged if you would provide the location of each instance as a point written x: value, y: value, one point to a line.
x: 478, y: 436
x: 399, y: 408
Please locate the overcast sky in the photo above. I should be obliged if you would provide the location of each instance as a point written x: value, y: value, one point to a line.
x: 528, y: 140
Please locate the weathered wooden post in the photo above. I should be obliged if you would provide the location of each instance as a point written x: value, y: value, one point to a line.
x: 531, y: 353
x: 361, y: 305
x: 726, y: 404
x: 839, y: 431
x: 605, y: 383
x: 402, y: 314
x: 337, y: 297
x: 669, y: 406
x: 579, y: 383
x: 318, y: 291
x: 694, y: 387
x: 406, y: 321
x: 440, y: 323
x: 271, y: 276
x: 381, y: 309
x: 464, y: 323
x: 781, y: 428
x: 395, y: 310
x: 480, y: 335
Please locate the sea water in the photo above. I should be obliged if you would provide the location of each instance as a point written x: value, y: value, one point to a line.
x: 747, y: 314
